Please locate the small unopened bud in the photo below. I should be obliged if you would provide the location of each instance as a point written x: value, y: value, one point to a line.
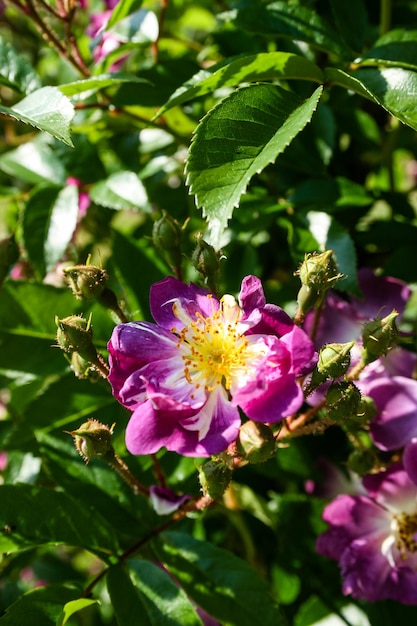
x: 93, y: 440
x: 318, y: 273
x: 86, y: 281
x: 256, y: 442
x: 166, y: 233
x: 214, y: 476
x: 334, y: 359
x: 9, y: 254
x: 75, y: 335
x: 206, y: 260
x: 342, y: 400
x: 379, y: 336
x: 361, y: 461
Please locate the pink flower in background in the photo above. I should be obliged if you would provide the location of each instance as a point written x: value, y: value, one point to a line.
x: 374, y: 538
x: 84, y: 200
x: 186, y: 376
x: 3, y: 461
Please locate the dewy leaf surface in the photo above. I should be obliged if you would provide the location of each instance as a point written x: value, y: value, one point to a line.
x: 246, y: 68
x: 46, y: 109
x: 237, y: 139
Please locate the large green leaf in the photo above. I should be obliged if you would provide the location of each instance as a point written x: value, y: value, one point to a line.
x: 397, y: 48
x: 243, y: 134
x: 46, y: 109
x: 49, y: 223
x: 248, y: 68
x: 31, y: 516
x: 40, y: 607
x: 299, y: 23
x: 394, y: 88
x: 222, y: 584
x: 150, y: 593
x: 101, y: 81
x: 122, y: 190
x: 34, y: 162
x: 16, y: 71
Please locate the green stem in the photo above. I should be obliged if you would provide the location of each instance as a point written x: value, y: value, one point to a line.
x: 385, y: 17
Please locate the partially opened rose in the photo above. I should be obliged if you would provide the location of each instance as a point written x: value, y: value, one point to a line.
x: 185, y: 376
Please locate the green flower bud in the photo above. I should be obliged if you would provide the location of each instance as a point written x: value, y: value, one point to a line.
x: 86, y: 281
x: 318, y: 273
x: 206, y: 260
x: 214, y: 476
x: 334, y: 359
x: 342, y: 400
x: 361, y: 461
x: 93, y: 440
x: 379, y: 336
x: 75, y: 335
x: 166, y: 233
x: 256, y: 442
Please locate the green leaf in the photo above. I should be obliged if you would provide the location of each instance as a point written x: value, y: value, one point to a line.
x: 41, y: 606
x: 32, y: 516
x: 243, y: 134
x: 122, y: 190
x: 397, y: 48
x: 46, y: 109
x: 34, y: 162
x: 221, y: 583
x: 101, y: 81
x: 49, y: 223
x: 394, y: 88
x: 150, y: 593
x: 140, y: 27
x: 314, y: 612
x: 331, y: 194
x: 16, y: 71
x: 299, y: 23
x: 73, y: 607
x: 351, y: 20
x: 252, y: 68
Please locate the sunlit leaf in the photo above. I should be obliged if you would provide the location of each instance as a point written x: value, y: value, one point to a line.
x: 41, y: 606
x: 243, y: 134
x: 253, y: 68
x: 396, y: 48
x: 101, y: 81
x: 145, y: 589
x: 46, y: 109
x: 72, y: 607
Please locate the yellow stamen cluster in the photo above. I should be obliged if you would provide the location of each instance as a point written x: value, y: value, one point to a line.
x: 406, y: 533
x: 213, y: 350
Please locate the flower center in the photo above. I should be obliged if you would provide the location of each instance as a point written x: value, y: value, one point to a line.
x: 213, y: 350
x: 406, y: 533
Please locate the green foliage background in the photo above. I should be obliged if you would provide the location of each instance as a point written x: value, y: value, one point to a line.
x: 273, y: 129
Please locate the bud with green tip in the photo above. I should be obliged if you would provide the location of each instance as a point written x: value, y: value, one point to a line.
x: 167, y: 236
x: 334, y: 359
x: 207, y: 261
x: 256, y: 442
x: 86, y: 281
x: 342, y: 400
x: 214, y: 476
x: 93, y: 440
x: 379, y: 336
x: 74, y: 334
x: 318, y: 273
